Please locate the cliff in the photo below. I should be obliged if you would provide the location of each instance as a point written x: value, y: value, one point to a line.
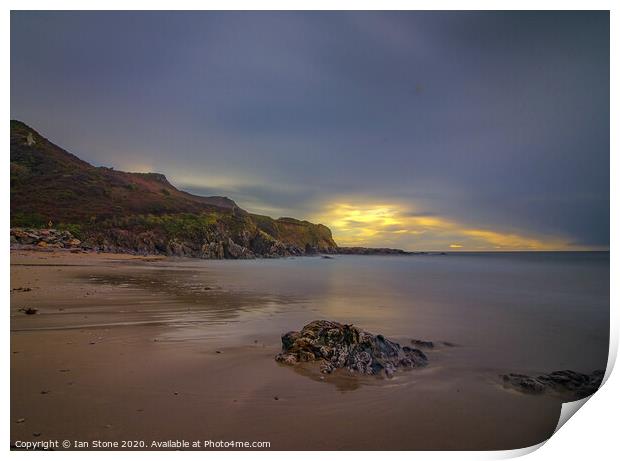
x: 141, y: 213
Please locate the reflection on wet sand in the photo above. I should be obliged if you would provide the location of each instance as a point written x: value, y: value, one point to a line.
x: 197, y: 300
x: 181, y: 298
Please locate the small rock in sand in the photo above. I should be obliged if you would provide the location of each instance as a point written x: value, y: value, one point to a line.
x: 29, y: 310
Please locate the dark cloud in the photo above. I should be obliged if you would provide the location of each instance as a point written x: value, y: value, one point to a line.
x: 495, y: 119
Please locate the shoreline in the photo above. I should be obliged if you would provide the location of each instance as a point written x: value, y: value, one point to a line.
x: 49, y: 238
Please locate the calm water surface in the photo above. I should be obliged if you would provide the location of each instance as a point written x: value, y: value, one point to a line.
x: 518, y: 311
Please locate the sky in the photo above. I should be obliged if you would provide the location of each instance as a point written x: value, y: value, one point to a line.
x: 459, y: 131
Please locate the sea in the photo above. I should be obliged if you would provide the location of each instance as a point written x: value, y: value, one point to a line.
x: 518, y: 311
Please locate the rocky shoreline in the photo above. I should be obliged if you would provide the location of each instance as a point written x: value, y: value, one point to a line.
x: 45, y: 238
x: 218, y: 244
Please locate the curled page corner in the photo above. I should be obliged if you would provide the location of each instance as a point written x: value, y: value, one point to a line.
x: 568, y: 410
x: 518, y: 452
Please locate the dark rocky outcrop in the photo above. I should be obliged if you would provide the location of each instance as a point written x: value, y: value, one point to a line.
x: 335, y: 345
x: 570, y: 384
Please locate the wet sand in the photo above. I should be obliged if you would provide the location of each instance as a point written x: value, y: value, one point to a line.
x: 118, y: 351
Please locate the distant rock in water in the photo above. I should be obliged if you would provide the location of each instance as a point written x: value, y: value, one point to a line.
x: 423, y: 344
x: 337, y: 345
x: 571, y: 383
x: 371, y: 251
x: 430, y: 344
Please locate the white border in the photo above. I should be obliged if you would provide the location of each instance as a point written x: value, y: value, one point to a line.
x: 591, y: 435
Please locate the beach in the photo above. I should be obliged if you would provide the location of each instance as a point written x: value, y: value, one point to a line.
x: 154, y: 349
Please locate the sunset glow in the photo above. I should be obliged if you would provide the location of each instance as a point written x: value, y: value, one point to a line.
x: 394, y: 224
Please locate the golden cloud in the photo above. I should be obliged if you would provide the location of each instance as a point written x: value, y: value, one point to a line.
x: 385, y: 224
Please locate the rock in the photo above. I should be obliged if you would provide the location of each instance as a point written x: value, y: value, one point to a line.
x: 571, y: 383
x: 44, y: 238
x: 235, y: 251
x: 29, y: 310
x: 524, y: 383
x: 212, y: 250
x: 337, y: 345
x: 370, y: 251
x: 30, y: 140
x: 174, y: 249
x: 423, y: 344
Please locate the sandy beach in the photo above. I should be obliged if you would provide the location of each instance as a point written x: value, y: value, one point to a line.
x: 101, y: 361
